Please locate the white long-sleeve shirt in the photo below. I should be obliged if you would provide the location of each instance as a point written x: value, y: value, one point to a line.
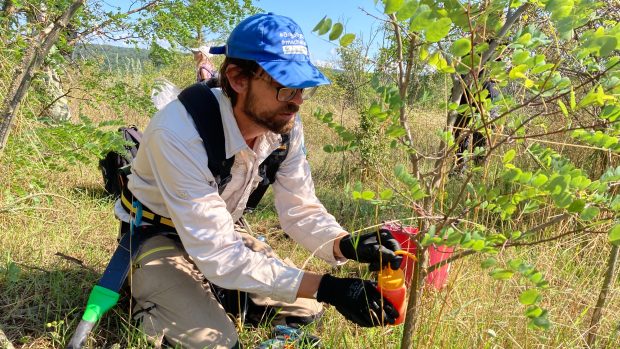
x: 170, y: 175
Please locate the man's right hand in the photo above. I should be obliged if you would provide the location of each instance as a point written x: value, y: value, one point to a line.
x: 357, y: 300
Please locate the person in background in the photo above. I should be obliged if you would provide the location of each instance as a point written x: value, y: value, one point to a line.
x: 204, y: 67
x: 469, y: 139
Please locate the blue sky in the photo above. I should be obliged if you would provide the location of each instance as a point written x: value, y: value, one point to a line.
x: 307, y: 13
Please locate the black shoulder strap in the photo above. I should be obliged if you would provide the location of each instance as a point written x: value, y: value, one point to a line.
x: 267, y: 170
x: 202, y: 105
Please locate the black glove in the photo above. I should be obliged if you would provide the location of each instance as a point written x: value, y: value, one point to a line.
x: 376, y: 248
x: 357, y: 300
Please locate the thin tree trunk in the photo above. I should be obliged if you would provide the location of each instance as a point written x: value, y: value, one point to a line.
x: 404, y: 75
x: 30, y: 64
x: 415, y: 293
x: 602, y: 297
x: 5, y: 343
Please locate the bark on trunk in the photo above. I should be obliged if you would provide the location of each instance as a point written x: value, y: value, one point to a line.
x: 602, y: 297
x: 30, y: 64
x: 5, y: 343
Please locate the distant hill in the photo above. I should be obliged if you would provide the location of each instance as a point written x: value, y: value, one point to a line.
x: 113, y: 57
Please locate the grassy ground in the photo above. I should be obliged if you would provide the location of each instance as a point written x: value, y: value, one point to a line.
x: 54, y: 246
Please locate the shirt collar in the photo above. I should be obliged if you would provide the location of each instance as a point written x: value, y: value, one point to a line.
x: 235, y: 143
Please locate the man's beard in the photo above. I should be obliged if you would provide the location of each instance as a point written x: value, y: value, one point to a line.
x: 268, y: 119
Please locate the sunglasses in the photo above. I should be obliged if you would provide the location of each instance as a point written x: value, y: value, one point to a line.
x: 286, y: 94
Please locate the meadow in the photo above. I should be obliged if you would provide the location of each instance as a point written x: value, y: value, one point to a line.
x: 57, y: 232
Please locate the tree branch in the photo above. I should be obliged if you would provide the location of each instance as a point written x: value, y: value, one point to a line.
x: 109, y: 21
x: 466, y: 253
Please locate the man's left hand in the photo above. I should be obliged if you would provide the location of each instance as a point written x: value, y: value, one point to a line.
x: 376, y: 248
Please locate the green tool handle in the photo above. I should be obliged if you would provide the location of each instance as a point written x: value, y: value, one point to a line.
x: 100, y: 300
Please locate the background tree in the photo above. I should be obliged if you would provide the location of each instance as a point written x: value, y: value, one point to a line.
x: 179, y: 23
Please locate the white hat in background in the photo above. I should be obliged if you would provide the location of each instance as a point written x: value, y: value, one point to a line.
x: 202, y: 49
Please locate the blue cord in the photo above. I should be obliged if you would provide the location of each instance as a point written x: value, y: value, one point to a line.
x: 136, y: 219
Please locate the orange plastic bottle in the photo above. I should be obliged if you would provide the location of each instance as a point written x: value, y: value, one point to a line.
x: 391, y: 284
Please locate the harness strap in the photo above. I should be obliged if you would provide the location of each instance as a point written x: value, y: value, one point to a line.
x: 147, y: 214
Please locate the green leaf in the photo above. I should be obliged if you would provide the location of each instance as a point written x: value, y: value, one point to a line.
x: 320, y: 24
x: 501, y: 274
x: 386, y: 194
x: 542, y: 68
x: 535, y: 277
x: 327, y: 24
x: 461, y: 47
x: 478, y: 245
x: 560, y: 8
x: 454, y: 237
x: 421, y: 19
x: 407, y: 10
x: 328, y: 148
x: 438, y: 30
x: 336, y: 31
x: 489, y: 262
x: 533, y: 311
x: 563, y: 107
x: 562, y: 200
x: 520, y: 57
x: 558, y: 184
x: 589, y: 213
x: 368, y: 195
x: 524, y: 39
x: 539, y: 180
x: 541, y: 322
x: 573, y: 102
x: 392, y: 6
x: 614, y: 235
x: 423, y: 53
x: 347, y: 39
x: 509, y: 156
x: 529, y: 297
x: 518, y: 72
x: 576, y: 206
x: 426, y: 240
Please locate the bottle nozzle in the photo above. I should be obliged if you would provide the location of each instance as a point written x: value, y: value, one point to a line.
x: 405, y: 253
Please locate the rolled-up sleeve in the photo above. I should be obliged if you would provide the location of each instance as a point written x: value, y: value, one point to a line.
x: 301, y: 214
x: 205, y: 226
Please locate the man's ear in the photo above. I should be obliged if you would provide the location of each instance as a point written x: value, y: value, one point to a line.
x: 238, y: 81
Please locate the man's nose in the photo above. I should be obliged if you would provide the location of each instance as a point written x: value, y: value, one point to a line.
x: 297, y: 98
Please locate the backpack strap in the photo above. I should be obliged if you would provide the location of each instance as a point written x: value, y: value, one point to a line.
x: 132, y: 134
x: 267, y: 170
x: 202, y: 105
x: 204, y: 108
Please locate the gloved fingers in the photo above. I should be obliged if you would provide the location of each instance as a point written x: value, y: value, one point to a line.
x: 390, y: 312
x: 381, y: 309
x: 387, y: 256
x: 395, y: 262
x: 375, y: 266
x: 387, y: 239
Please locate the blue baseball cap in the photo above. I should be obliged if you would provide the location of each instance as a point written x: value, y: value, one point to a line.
x: 277, y: 44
